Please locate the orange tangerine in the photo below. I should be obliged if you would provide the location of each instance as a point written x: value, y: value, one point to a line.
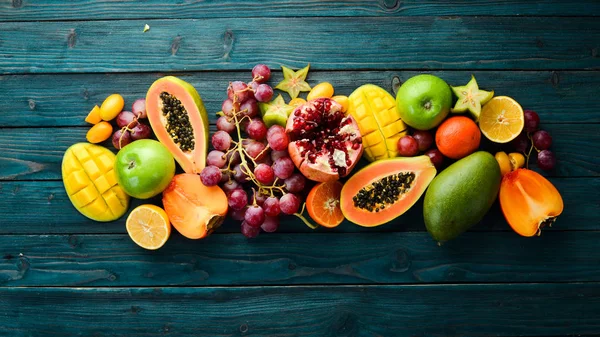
x: 323, y: 204
x: 148, y: 226
x: 501, y: 119
x: 457, y: 137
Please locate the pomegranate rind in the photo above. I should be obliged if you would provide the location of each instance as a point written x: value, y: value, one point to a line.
x: 191, y: 161
x: 320, y: 170
x: 424, y: 172
x: 528, y: 200
x: 194, y: 209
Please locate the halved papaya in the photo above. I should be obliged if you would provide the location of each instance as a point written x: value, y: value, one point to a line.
x: 179, y: 121
x: 385, y: 189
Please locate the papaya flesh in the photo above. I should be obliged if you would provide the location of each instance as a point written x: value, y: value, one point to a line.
x: 194, y: 209
x: 179, y: 121
x: 385, y: 189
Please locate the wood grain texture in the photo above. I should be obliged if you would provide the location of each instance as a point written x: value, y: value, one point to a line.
x: 365, y: 43
x: 428, y: 310
x: 65, y: 100
x: 41, y: 207
x: 365, y: 258
x: 24, y: 10
x: 37, y: 153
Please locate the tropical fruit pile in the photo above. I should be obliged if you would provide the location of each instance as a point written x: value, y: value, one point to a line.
x: 270, y: 158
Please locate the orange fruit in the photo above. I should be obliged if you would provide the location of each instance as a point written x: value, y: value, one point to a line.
x: 94, y: 116
x: 457, y: 137
x: 501, y: 119
x: 148, y: 226
x: 323, y: 204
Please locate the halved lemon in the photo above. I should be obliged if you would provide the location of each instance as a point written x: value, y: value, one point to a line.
x: 501, y: 119
x: 148, y: 226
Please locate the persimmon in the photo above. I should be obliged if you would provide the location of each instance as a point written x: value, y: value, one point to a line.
x: 529, y: 201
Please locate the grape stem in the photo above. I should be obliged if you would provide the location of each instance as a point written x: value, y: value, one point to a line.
x: 305, y: 220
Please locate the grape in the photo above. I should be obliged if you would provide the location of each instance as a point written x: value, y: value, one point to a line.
x: 278, y: 141
x: 289, y: 203
x: 270, y: 224
x: 140, y: 131
x: 264, y: 174
x: 521, y: 143
x: 249, y: 231
x: 216, y: 158
x: 239, y: 89
x: 257, y: 129
x: 239, y: 175
x: 408, y: 146
x: 253, y: 85
x: 238, y: 199
x: 259, y: 198
x: 126, y: 118
x: 238, y: 214
x: 275, y: 129
x: 230, y: 185
x: 210, y: 175
x: 541, y: 140
x: 228, y: 107
x: 283, y: 167
x: 261, y: 73
x: 139, y: 108
x: 233, y: 157
x: 250, y: 107
x: 225, y: 177
x: 121, y: 138
x: 436, y: 157
x: 271, y: 206
x: 295, y: 183
x: 254, y: 216
x: 278, y: 154
x: 225, y: 125
x: 265, y: 160
x: 221, y: 140
x: 546, y: 160
x: 532, y: 120
x: 424, y: 139
x: 263, y: 93
x: 254, y: 149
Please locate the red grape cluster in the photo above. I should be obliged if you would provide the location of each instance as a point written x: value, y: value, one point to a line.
x: 131, y: 128
x: 420, y: 141
x: 250, y: 162
x: 540, y: 141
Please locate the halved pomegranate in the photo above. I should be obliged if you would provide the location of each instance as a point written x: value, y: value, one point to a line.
x: 325, y: 144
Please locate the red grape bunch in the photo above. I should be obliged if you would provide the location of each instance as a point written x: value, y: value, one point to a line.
x: 250, y: 162
x: 540, y: 141
x: 131, y: 128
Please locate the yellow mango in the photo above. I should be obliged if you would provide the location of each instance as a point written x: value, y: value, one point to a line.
x: 378, y: 120
x: 89, y: 178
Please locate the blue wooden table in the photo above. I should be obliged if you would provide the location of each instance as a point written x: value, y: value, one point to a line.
x: 63, y: 275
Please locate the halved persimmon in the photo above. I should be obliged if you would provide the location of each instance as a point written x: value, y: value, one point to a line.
x: 529, y: 201
x: 323, y: 204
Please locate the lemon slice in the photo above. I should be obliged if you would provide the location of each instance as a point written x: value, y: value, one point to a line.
x: 501, y: 119
x: 148, y: 226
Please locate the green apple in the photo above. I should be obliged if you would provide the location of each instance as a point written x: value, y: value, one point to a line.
x: 424, y: 101
x: 144, y: 168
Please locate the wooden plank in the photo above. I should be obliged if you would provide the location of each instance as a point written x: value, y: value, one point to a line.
x: 42, y: 207
x: 431, y: 310
x: 154, y: 9
x: 37, y: 153
x: 368, y: 43
x: 230, y: 259
x: 65, y: 100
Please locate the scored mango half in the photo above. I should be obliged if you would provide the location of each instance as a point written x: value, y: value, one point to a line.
x: 90, y: 181
x: 378, y: 120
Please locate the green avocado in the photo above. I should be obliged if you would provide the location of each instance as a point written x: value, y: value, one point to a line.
x: 460, y: 196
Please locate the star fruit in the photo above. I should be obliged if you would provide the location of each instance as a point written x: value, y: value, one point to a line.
x: 294, y: 81
x: 471, y: 98
x: 275, y: 112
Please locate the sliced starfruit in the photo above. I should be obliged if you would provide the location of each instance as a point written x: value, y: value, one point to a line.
x: 471, y: 98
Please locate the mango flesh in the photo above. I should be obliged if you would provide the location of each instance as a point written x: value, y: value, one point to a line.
x: 90, y: 182
x: 460, y: 196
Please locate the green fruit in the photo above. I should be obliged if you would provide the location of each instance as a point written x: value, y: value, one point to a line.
x: 275, y: 112
x: 424, y: 101
x: 471, y: 98
x: 144, y: 168
x: 460, y: 196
